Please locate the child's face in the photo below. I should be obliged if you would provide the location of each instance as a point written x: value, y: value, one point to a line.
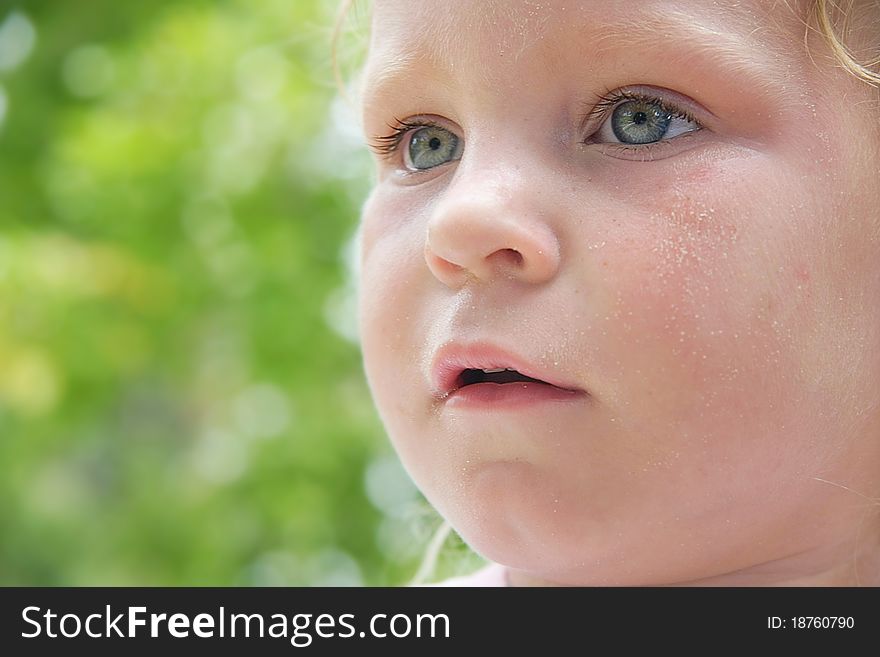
x: 698, y: 259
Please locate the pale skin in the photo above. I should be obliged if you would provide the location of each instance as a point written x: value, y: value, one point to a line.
x: 717, y: 296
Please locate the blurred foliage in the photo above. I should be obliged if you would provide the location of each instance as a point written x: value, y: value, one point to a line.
x: 181, y: 393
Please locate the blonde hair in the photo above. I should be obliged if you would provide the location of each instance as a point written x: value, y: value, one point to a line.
x: 342, y: 14
x: 824, y: 11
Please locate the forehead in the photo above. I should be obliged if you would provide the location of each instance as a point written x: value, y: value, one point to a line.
x: 464, y: 25
x: 492, y: 38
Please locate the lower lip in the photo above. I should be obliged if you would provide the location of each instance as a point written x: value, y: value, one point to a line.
x: 509, y: 396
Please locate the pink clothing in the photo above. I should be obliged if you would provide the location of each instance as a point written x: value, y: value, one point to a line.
x: 492, y: 575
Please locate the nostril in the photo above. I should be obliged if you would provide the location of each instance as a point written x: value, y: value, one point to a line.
x: 513, y: 257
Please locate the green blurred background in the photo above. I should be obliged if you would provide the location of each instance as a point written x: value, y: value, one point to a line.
x: 181, y: 393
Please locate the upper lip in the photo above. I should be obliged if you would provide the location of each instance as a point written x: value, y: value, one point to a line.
x: 451, y: 360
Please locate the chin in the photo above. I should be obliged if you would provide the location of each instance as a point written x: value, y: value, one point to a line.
x: 554, y: 559
x: 514, y: 514
x: 510, y: 514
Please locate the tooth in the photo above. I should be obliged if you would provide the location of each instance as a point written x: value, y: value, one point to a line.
x: 495, y: 371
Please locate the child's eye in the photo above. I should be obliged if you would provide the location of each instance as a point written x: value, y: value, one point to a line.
x: 425, y: 144
x: 431, y: 146
x: 639, y: 120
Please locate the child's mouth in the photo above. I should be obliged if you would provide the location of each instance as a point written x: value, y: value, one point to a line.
x: 499, y: 375
x: 507, y: 388
x: 485, y: 376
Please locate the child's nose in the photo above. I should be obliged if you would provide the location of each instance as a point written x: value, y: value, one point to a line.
x: 482, y: 230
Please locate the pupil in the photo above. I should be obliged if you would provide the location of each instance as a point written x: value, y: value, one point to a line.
x: 434, y: 143
x: 639, y: 118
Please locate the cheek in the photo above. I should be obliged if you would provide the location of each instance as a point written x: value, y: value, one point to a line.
x: 390, y: 310
x: 712, y: 292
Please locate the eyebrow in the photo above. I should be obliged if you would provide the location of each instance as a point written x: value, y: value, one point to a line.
x: 698, y: 45
x: 741, y: 53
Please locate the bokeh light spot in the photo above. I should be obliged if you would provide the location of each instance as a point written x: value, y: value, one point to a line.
x: 17, y: 39
x: 88, y: 71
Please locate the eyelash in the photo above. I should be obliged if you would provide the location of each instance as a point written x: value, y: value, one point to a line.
x: 607, y: 101
x: 387, y: 145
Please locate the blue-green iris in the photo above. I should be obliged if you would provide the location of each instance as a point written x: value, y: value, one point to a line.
x: 640, y: 122
x: 432, y: 146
